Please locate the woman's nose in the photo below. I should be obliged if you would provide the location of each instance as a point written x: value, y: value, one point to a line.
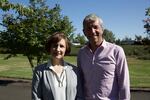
x: 58, y: 48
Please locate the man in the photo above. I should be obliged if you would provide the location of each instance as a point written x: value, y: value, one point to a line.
x: 102, y: 64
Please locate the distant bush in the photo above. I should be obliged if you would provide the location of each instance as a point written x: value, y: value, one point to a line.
x: 144, y: 57
x: 74, y: 50
x: 139, y: 51
x: 2, y: 50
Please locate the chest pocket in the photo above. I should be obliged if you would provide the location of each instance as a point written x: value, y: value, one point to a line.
x: 107, y: 68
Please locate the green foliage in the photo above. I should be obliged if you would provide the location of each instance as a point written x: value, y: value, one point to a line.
x: 108, y: 36
x: 74, y: 50
x: 81, y: 39
x: 147, y: 12
x: 147, y: 21
x: 28, y: 28
x: 138, y: 51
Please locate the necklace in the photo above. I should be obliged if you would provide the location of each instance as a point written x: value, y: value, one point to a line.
x: 60, y: 78
x: 59, y: 73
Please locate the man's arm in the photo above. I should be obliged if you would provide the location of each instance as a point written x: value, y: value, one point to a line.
x: 123, y: 76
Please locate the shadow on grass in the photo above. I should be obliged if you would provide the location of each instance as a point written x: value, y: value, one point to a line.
x: 6, y: 82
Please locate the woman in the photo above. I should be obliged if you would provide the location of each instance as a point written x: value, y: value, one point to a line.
x: 56, y: 79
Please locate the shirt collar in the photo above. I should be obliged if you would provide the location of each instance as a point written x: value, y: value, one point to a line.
x: 50, y: 66
x: 102, y: 45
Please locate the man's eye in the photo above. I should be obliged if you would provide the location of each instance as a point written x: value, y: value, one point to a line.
x: 88, y: 28
x: 95, y: 27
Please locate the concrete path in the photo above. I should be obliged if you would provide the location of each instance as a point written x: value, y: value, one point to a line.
x: 15, y: 89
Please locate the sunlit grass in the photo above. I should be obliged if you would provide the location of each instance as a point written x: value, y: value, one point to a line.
x: 139, y: 72
x: 19, y: 67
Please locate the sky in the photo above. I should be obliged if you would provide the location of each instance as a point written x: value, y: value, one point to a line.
x: 122, y: 17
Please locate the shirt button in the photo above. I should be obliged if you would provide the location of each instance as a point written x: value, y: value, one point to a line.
x: 93, y: 96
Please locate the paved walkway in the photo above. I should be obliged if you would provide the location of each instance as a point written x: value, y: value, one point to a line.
x: 15, y: 89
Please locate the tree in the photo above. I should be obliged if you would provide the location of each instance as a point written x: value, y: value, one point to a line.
x: 147, y: 21
x: 118, y: 41
x: 26, y: 30
x: 81, y: 39
x: 138, y: 40
x: 147, y: 27
x: 108, y: 35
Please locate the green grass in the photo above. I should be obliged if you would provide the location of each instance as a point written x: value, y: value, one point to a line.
x: 139, y: 72
x: 18, y: 67
x: 71, y: 59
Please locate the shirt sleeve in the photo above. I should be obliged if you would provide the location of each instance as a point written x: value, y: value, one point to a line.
x: 36, y: 86
x: 122, y: 75
x: 80, y: 94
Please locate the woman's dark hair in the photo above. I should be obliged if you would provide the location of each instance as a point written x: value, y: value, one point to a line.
x: 55, y: 38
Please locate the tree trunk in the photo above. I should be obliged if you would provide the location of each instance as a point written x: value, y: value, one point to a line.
x: 30, y: 59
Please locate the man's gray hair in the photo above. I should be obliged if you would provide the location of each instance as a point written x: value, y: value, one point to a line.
x: 92, y: 17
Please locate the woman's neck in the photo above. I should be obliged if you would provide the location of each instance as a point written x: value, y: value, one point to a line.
x: 57, y: 65
x: 57, y: 62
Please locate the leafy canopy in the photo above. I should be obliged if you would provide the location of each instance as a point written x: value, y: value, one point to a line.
x: 27, y: 28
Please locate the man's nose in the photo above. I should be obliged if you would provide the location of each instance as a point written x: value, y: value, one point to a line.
x: 92, y: 30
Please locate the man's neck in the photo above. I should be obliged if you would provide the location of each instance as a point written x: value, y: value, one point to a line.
x: 94, y: 47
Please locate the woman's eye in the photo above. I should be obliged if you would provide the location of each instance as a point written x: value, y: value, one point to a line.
x: 54, y: 46
x: 62, y: 46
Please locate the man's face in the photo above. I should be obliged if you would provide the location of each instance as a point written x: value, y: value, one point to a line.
x: 93, y: 31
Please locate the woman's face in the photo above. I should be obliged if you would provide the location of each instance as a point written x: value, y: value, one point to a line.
x: 58, y: 49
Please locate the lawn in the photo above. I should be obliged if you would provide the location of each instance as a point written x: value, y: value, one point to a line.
x: 18, y: 67
x: 139, y: 72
